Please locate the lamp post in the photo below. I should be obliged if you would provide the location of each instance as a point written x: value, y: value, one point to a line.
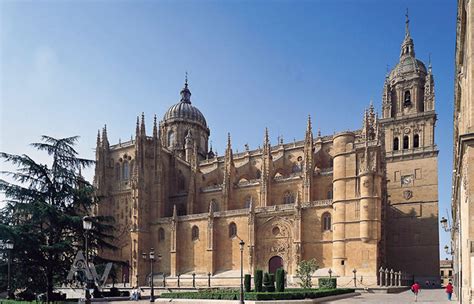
x: 330, y: 273
x: 241, y: 243
x: 151, y: 257
x: 9, y: 247
x: 87, y: 225
x: 355, y: 278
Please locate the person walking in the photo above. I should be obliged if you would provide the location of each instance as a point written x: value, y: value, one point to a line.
x: 415, y: 288
x: 449, y: 290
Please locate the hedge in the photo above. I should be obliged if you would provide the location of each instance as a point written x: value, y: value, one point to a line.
x: 327, y: 283
x: 287, y: 295
x: 257, y: 280
x: 247, y: 282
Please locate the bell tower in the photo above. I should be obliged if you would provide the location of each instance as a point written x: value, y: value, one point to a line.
x: 408, y: 120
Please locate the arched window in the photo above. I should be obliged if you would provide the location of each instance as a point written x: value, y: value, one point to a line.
x: 416, y: 141
x: 248, y: 199
x: 181, y: 182
x: 195, y: 233
x: 326, y: 220
x: 161, y: 235
x: 125, y: 171
x: 405, y: 142
x: 171, y: 138
x: 396, y: 144
x: 330, y: 194
x: 296, y: 168
x: 214, y: 205
x: 258, y: 174
x: 288, y: 198
x: 117, y: 171
x: 131, y: 168
x: 407, y: 99
x: 232, y: 230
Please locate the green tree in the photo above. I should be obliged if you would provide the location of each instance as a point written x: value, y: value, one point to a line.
x: 45, y: 204
x: 305, y: 271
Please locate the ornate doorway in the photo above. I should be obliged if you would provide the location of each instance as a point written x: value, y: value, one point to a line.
x: 274, y: 263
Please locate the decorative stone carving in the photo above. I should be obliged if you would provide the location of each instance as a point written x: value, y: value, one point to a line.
x: 407, y: 194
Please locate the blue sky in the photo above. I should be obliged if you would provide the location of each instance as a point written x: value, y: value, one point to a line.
x: 69, y: 67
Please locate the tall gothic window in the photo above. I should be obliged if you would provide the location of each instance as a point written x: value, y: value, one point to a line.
x: 330, y: 193
x: 416, y: 141
x: 195, y: 233
x: 396, y: 144
x: 171, y: 138
x: 161, y: 235
x: 232, y: 230
x: 405, y: 142
x: 125, y: 171
x: 248, y: 198
x: 326, y: 221
x: 117, y: 171
x: 288, y: 198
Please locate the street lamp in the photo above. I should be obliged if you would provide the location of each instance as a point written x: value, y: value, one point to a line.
x: 87, y: 225
x: 9, y: 247
x: 355, y: 278
x: 151, y: 258
x: 446, y: 248
x: 241, y: 243
x: 330, y: 273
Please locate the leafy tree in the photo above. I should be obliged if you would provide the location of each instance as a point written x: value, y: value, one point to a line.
x: 304, y: 272
x: 45, y: 204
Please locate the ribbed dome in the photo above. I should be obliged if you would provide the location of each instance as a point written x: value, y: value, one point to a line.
x: 184, y: 110
x: 408, y: 65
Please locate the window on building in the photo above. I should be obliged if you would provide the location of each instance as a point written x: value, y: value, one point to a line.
x: 248, y: 199
x: 117, y: 171
x: 450, y: 273
x: 161, y: 235
x: 232, y: 230
x: 125, y: 171
x: 407, y: 99
x: 288, y: 198
x: 214, y: 205
x: 330, y: 194
x: 442, y: 273
x: 357, y: 210
x: 416, y: 141
x: 195, y: 233
x: 405, y: 142
x: 131, y: 168
x: 171, y: 138
x: 326, y: 220
x: 395, y: 144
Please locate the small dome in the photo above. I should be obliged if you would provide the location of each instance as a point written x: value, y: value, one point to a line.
x: 408, y: 65
x: 184, y: 110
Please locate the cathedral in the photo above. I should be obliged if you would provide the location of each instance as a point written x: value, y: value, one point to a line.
x: 354, y: 201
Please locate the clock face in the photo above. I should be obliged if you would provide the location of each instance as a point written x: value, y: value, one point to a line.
x: 406, y: 179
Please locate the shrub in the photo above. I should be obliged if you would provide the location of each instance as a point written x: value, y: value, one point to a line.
x: 327, y: 283
x: 305, y: 271
x: 268, y: 285
x: 258, y: 276
x: 247, y: 279
x: 280, y: 280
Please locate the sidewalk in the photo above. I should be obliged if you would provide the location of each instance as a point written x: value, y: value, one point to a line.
x: 425, y: 296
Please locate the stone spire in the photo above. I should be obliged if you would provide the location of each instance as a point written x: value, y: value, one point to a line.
x: 98, y: 140
x: 155, y: 128
x: 105, y: 141
x: 142, y: 126
x: 408, y: 47
x: 137, y: 128
x: 185, y: 92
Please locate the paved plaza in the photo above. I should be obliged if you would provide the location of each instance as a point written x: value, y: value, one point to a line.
x: 425, y: 296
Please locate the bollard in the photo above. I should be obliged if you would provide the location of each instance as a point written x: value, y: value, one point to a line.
x: 194, y: 279
x: 391, y: 277
x: 386, y: 277
x: 208, y: 279
x: 178, y: 275
x: 381, y: 276
x: 164, y: 280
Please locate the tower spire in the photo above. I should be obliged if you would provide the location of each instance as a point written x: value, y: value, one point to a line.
x: 137, y: 128
x: 155, y: 127
x: 142, y: 126
x: 407, y: 24
x: 185, y: 92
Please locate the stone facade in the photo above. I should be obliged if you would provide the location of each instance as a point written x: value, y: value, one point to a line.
x: 350, y: 200
x: 462, y: 230
x: 446, y: 271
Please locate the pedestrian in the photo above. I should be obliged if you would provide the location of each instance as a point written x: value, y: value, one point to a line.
x: 449, y: 290
x: 415, y: 288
